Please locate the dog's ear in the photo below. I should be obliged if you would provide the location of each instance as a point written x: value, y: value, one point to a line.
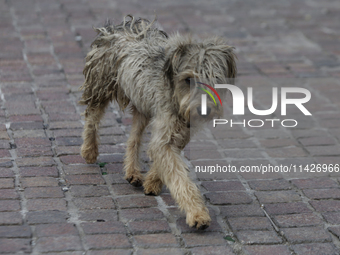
x: 222, y: 57
x: 230, y: 58
x: 173, y: 62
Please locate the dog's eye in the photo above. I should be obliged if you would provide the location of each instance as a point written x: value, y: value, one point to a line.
x: 187, y: 81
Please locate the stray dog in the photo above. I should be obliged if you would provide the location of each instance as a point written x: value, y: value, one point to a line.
x: 136, y: 64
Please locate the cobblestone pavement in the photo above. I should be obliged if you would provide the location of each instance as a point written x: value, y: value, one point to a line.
x: 52, y: 202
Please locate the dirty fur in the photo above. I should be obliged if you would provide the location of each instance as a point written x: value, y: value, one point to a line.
x: 134, y: 63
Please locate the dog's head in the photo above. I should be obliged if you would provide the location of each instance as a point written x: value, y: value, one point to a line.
x: 191, y: 69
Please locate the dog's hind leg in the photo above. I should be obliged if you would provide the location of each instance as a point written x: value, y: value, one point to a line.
x: 89, y: 149
x: 131, y: 160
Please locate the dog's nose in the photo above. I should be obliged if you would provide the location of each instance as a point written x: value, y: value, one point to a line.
x: 200, y: 113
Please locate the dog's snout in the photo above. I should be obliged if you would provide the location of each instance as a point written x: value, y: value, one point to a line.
x: 200, y: 112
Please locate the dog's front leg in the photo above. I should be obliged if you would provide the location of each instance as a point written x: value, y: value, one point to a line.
x: 173, y: 172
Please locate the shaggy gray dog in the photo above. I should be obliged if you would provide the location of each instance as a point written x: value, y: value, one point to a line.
x: 136, y: 64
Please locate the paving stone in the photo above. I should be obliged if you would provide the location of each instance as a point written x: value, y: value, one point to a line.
x: 67, y: 150
x: 6, y: 183
x: 286, y: 152
x: 67, y: 253
x: 59, y: 243
x: 223, y: 186
x: 203, y: 239
x: 156, y: 240
x: 114, y: 158
x: 316, y: 183
x: 315, y: 249
x: 286, y: 208
x: 34, y: 152
x: 322, y: 193
x: 332, y: 217
x: 72, y: 159
x: 98, y: 215
x: 65, y: 124
x: 26, y: 125
x: 148, y: 227
x: 103, y: 228
x: 6, y: 173
x: 280, y: 184
x: 36, y: 161
x: 276, y: 143
x: 335, y: 231
x: 250, y: 223
x: 306, y: 234
x: 4, y: 154
x: 228, y: 198
x: 9, y: 205
x: 111, y: 252
x: 114, y: 168
x: 332, y: 150
x: 39, y: 182
x: 63, y: 229
x: 297, y: 220
x: 163, y: 251
x: 267, y: 249
x: 86, y: 203
x: 138, y: 202
x: 168, y: 200
x: 212, y: 250
x: 14, y: 245
x: 241, y: 210
x: 88, y: 191
x: 84, y: 179
x: 315, y: 141
x: 326, y: 205
x: 126, y: 189
x: 38, y: 171
x: 258, y: 237
x: 5, y: 163
x: 15, y: 231
x: 277, y: 196
x: 82, y: 169
x: 46, y: 217
x: 141, y: 214
x: 67, y: 132
x: 58, y: 204
x: 69, y: 141
x: 107, y: 241
x: 44, y: 192
x: 10, y: 218
x: 32, y: 142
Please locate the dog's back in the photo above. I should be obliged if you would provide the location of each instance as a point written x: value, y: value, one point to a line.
x: 102, y: 69
x: 134, y: 26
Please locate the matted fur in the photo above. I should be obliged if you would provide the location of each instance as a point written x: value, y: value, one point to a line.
x: 136, y: 64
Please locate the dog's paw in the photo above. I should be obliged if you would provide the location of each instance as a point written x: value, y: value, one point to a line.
x: 135, y: 180
x: 152, y: 188
x: 152, y: 192
x: 89, y: 154
x: 199, y: 221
